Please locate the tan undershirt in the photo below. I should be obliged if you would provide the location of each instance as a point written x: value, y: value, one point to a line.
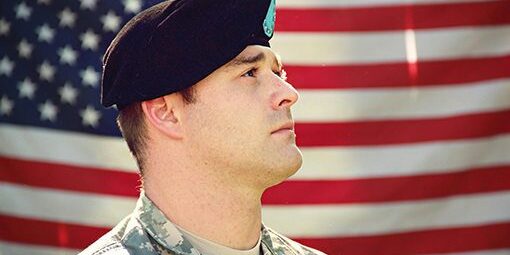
x: 207, y: 247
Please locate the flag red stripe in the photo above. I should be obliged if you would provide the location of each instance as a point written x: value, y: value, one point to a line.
x: 393, y: 17
x: 477, y: 180
x: 388, y: 75
x: 461, y: 239
x: 68, y: 177
x: 384, y: 132
x: 40, y: 232
x: 488, y: 179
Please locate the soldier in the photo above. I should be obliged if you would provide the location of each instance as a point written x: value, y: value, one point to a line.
x: 205, y: 110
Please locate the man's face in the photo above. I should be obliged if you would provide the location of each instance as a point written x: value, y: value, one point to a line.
x: 241, y: 125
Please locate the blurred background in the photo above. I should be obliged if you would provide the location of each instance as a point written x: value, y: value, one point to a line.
x: 403, y: 121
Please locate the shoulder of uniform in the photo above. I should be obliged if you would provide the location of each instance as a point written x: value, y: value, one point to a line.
x: 280, y: 242
x: 121, y: 240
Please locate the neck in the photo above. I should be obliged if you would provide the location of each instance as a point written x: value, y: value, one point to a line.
x: 212, y: 209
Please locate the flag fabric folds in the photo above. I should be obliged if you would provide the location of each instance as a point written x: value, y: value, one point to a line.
x: 403, y: 121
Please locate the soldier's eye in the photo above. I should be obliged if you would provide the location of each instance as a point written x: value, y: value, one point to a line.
x: 250, y: 73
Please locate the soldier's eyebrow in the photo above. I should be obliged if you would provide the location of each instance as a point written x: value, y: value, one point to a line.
x: 246, y: 60
x: 250, y: 59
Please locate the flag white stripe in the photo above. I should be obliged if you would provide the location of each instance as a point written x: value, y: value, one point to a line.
x: 66, y: 147
x: 360, y: 3
x: 381, y: 218
x: 365, y: 47
x: 318, y: 105
x: 9, y: 248
x: 401, y: 103
x: 58, y: 205
x: 319, y: 163
x: 314, y: 221
x: 406, y: 160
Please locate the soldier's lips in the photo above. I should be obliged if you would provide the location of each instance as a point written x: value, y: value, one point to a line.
x: 286, y: 128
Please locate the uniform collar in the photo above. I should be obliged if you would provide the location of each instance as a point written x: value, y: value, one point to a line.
x: 164, y: 232
x: 160, y: 228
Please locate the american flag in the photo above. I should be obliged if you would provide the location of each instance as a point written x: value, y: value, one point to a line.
x: 403, y: 122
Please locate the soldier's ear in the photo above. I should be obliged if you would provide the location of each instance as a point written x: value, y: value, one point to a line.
x: 163, y: 114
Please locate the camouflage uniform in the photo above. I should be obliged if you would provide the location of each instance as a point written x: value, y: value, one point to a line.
x: 148, y: 231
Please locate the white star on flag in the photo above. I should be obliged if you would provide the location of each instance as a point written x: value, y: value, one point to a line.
x: 26, y: 88
x: 90, y: 116
x: 6, y: 66
x: 67, y: 55
x: 89, y: 40
x: 48, y: 111
x: 46, y: 71
x: 68, y: 94
x: 89, y: 76
x: 23, y: 11
x: 132, y: 6
x: 111, y: 22
x: 67, y: 18
x: 6, y: 106
x: 45, y: 33
x: 25, y: 49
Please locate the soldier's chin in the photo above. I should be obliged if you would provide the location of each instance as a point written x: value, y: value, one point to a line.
x: 295, y: 161
x: 286, y: 171
x: 295, y: 166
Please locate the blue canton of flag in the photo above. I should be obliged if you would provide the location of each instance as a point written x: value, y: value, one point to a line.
x: 50, y: 61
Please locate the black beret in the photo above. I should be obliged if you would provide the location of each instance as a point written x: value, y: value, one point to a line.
x: 173, y: 45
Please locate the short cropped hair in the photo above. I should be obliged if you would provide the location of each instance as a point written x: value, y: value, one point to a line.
x: 134, y: 130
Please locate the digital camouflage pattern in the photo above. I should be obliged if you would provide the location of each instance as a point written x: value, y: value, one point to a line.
x: 147, y: 231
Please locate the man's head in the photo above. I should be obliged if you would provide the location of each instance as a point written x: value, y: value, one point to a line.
x: 229, y: 112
